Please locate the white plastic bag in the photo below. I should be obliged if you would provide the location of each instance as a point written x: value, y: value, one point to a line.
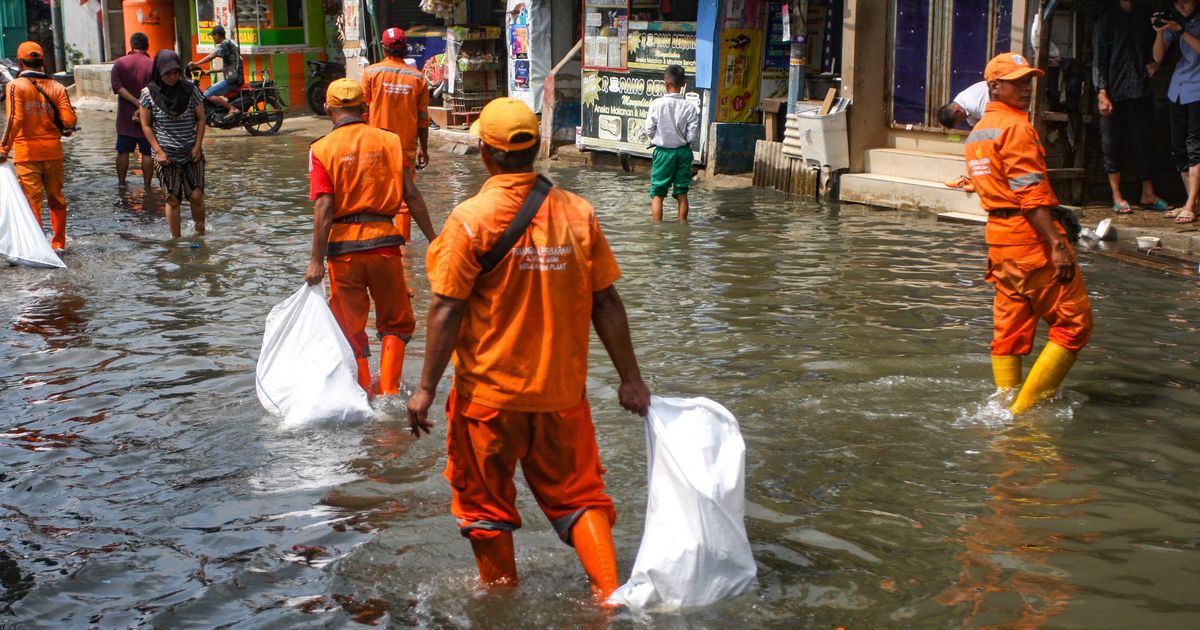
x: 22, y: 241
x: 306, y: 370
x: 694, y: 550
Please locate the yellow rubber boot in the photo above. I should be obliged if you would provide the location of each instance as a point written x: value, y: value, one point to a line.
x: 495, y: 559
x: 391, y: 365
x: 1006, y: 371
x: 592, y: 537
x: 364, y: 376
x: 1044, y: 377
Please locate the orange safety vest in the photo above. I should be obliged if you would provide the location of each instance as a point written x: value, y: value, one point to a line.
x: 1007, y: 165
x: 29, y: 130
x: 365, y: 166
x: 397, y: 98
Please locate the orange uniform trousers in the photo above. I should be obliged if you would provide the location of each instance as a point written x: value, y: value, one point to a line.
x: 1026, y: 290
x: 45, y: 176
x: 357, y: 278
x: 558, y: 455
x: 403, y: 219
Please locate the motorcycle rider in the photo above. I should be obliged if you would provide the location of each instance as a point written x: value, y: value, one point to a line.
x: 231, y: 69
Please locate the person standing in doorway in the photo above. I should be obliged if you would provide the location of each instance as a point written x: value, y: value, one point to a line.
x: 130, y: 74
x: 1184, y: 96
x: 672, y: 123
x: 39, y: 114
x: 1122, y: 42
x: 172, y: 113
x: 1030, y: 262
x: 231, y: 70
x: 353, y: 177
x: 397, y: 98
x: 515, y: 315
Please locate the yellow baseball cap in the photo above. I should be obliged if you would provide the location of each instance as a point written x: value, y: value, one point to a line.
x: 1009, y: 67
x: 503, y: 120
x: 343, y: 93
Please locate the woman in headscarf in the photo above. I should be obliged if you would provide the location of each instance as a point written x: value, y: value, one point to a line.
x: 172, y: 112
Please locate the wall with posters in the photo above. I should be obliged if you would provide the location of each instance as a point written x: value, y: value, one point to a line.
x: 527, y: 38
x: 614, y: 101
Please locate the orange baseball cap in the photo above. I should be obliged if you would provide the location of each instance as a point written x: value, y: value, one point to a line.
x: 343, y: 93
x: 1010, y: 67
x: 30, y: 50
x: 504, y: 119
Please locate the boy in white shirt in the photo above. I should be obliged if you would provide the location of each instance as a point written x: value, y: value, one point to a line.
x: 672, y: 124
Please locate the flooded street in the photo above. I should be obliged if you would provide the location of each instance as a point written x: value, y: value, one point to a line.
x: 142, y: 484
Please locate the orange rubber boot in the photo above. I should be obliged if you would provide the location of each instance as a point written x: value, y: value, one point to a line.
x: 592, y: 536
x: 495, y: 559
x: 364, y: 376
x: 391, y: 365
x: 58, y: 222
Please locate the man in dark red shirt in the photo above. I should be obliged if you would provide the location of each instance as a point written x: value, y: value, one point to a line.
x: 130, y: 74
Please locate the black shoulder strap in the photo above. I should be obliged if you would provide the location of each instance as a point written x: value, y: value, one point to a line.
x: 533, y: 202
x: 53, y: 106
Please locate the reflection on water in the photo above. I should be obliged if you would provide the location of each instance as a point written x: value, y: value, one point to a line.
x: 143, y: 485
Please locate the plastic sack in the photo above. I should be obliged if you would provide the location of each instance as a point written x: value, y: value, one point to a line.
x: 306, y: 370
x: 694, y: 549
x: 22, y: 241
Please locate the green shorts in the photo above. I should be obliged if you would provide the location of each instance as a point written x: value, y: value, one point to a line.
x: 671, y: 166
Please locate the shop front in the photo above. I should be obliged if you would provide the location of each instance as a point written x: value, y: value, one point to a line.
x: 276, y: 38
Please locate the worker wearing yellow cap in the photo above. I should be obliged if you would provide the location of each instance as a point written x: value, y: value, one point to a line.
x: 353, y: 179
x: 517, y: 316
x: 1030, y: 260
x: 39, y: 114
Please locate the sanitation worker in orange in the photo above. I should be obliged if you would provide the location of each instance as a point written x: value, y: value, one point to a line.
x: 39, y: 114
x: 1030, y: 260
x: 515, y: 314
x: 353, y: 178
x: 398, y: 100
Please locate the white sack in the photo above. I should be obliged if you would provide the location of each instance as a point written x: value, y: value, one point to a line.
x: 694, y: 550
x: 22, y: 241
x: 306, y: 370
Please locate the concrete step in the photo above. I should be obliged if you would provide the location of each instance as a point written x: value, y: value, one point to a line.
x: 934, y: 167
x: 907, y: 193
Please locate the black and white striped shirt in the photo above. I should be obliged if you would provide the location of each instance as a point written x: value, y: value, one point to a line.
x: 176, y: 135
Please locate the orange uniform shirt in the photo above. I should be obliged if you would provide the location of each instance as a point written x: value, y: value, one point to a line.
x: 1007, y: 164
x: 361, y: 167
x: 397, y: 98
x: 29, y: 131
x: 523, y: 344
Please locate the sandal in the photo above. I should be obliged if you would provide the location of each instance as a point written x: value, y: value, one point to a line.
x: 1122, y: 207
x: 1159, y: 205
x: 963, y: 183
x: 1171, y: 214
x: 1186, y: 216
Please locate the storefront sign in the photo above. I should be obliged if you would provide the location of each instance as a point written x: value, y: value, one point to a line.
x: 655, y: 50
x: 615, y: 105
x: 739, y: 74
x: 210, y: 14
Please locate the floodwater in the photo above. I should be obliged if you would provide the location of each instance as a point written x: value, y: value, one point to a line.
x: 141, y: 484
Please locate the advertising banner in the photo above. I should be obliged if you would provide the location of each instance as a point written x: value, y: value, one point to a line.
x: 614, y: 110
x: 658, y: 46
x: 739, y: 72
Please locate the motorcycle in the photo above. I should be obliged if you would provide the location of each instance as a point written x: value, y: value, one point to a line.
x: 261, y: 104
x: 320, y: 75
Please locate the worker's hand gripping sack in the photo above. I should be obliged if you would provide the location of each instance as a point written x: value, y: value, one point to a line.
x: 694, y: 550
x: 306, y: 370
x: 22, y: 241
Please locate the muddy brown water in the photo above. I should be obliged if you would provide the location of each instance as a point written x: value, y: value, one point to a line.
x: 141, y: 484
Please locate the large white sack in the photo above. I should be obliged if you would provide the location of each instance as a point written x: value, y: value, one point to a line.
x: 694, y: 550
x: 306, y: 370
x: 22, y: 241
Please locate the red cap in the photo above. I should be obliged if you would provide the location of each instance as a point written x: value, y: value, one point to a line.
x: 394, y: 38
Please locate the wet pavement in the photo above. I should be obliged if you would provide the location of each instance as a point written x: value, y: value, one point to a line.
x: 141, y: 484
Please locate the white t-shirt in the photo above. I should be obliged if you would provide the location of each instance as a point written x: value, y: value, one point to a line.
x: 974, y: 99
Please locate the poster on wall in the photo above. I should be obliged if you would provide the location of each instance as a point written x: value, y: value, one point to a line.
x: 517, y: 31
x: 656, y: 45
x: 351, y: 29
x: 738, y: 75
x: 527, y: 40
x: 614, y: 106
x: 210, y: 13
